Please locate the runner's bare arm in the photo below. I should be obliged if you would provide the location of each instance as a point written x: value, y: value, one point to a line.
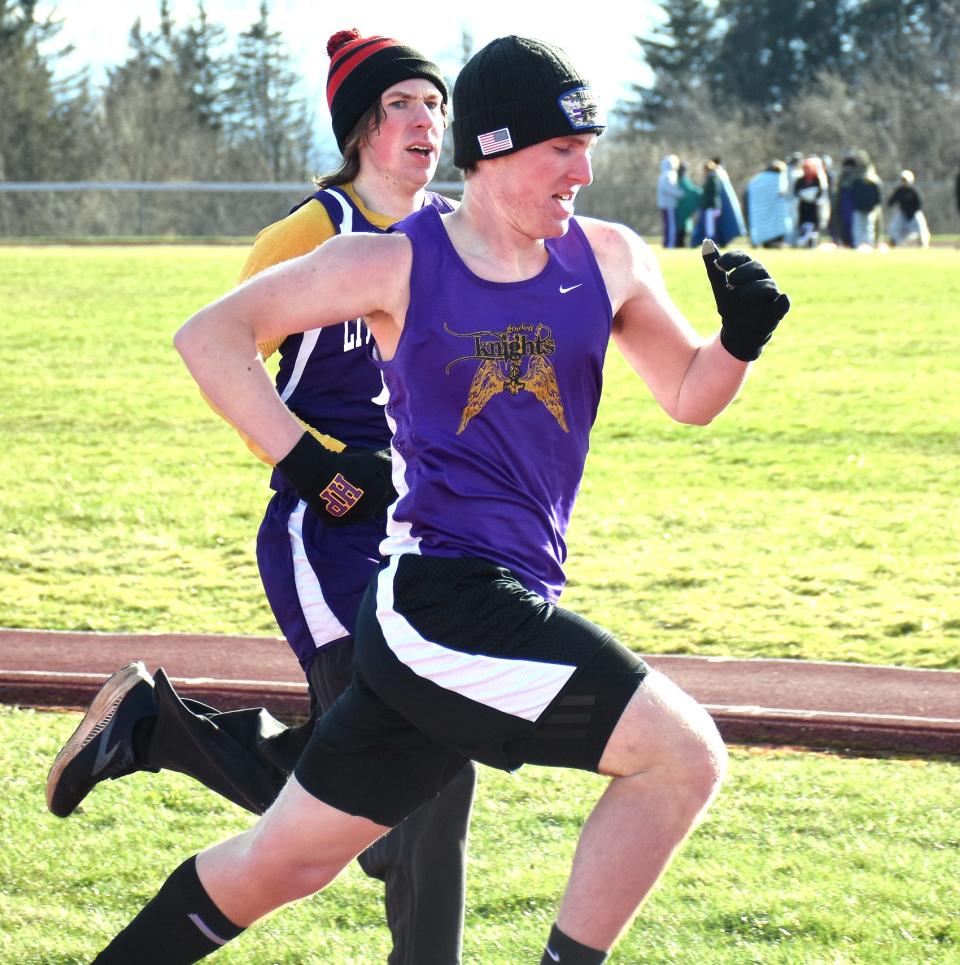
x: 348, y: 277
x: 295, y: 235
x: 692, y: 378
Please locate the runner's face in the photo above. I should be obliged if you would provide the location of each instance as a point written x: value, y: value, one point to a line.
x: 538, y: 185
x: 406, y: 146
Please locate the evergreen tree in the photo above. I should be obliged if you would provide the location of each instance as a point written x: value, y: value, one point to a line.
x: 45, y: 122
x: 152, y: 130
x: 761, y: 54
x: 171, y: 85
x: 772, y: 49
x: 680, y: 53
x: 268, y: 125
x: 910, y: 38
x: 143, y: 67
x: 200, y: 66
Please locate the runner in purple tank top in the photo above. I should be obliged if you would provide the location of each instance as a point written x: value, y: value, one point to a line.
x: 523, y: 364
x: 490, y: 325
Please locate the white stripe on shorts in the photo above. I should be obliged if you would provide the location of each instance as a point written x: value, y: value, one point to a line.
x: 324, y: 627
x: 523, y: 688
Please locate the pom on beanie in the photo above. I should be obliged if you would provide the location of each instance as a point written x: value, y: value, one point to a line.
x: 362, y: 68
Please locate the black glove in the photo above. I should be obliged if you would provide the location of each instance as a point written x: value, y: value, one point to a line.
x: 341, y: 487
x: 748, y: 300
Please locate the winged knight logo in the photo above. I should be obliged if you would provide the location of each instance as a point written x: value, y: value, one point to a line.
x: 510, y: 361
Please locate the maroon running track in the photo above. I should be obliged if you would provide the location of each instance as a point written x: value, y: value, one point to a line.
x: 814, y: 704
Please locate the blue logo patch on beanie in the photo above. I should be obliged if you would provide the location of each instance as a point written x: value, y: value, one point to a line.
x: 582, y: 110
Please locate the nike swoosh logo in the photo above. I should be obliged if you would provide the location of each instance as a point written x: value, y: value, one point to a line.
x: 563, y: 291
x: 550, y: 951
x: 103, y: 758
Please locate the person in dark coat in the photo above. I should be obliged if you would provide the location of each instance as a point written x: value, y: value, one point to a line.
x: 908, y: 222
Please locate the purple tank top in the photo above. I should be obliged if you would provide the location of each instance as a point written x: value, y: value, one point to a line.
x: 325, y: 375
x: 491, y: 397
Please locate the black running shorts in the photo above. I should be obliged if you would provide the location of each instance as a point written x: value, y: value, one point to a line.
x: 456, y: 660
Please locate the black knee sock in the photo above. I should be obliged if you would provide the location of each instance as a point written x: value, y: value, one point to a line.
x: 563, y: 949
x: 178, y: 926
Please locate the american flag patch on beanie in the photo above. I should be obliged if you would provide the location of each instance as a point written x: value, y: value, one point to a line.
x: 495, y: 141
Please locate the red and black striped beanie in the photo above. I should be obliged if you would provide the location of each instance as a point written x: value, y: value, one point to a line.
x: 362, y: 68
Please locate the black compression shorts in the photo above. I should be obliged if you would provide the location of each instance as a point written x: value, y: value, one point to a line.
x: 456, y: 660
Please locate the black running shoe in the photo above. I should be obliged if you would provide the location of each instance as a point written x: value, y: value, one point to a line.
x: 102, y: 746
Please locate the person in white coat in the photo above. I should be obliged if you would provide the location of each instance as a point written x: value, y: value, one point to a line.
x: 770, y: 206
x: 669, y: 193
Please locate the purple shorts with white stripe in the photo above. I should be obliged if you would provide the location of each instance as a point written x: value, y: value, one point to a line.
x: 456, y: 660
x: 314, y: 576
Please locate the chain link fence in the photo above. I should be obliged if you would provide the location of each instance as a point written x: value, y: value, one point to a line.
x: 207, y: 210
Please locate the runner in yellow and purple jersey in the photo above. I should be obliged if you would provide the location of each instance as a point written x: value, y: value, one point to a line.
x: 388, y: 106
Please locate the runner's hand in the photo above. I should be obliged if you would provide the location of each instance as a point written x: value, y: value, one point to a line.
x: 748, y: 300
x: 341, y: 487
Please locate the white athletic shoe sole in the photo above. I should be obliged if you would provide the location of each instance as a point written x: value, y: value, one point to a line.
x: 96, y: 719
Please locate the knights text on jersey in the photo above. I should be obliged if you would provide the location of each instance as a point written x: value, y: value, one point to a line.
x: 492, y: 394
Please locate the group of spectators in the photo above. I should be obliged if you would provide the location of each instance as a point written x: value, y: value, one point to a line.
x: 799, y: 202
x: 691, y: 211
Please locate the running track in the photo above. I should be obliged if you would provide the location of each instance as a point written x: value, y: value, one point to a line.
x: 853, y: 706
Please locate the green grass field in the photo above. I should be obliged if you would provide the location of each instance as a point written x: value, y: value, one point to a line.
x: 806, y: 859
x: 817, y: 518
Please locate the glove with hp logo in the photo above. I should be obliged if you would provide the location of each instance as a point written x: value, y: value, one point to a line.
x: 341, y: 487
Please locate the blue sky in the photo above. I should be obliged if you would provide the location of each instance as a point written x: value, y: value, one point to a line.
x: 598, y: 35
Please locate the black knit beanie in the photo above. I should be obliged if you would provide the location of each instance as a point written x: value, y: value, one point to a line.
x: 516, y: 92
x: 362, y: 68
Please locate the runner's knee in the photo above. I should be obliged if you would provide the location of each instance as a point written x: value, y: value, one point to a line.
x: 272, y: 852
x: 704, y: 764
x: 270, y: 863
x: 665, y: 729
